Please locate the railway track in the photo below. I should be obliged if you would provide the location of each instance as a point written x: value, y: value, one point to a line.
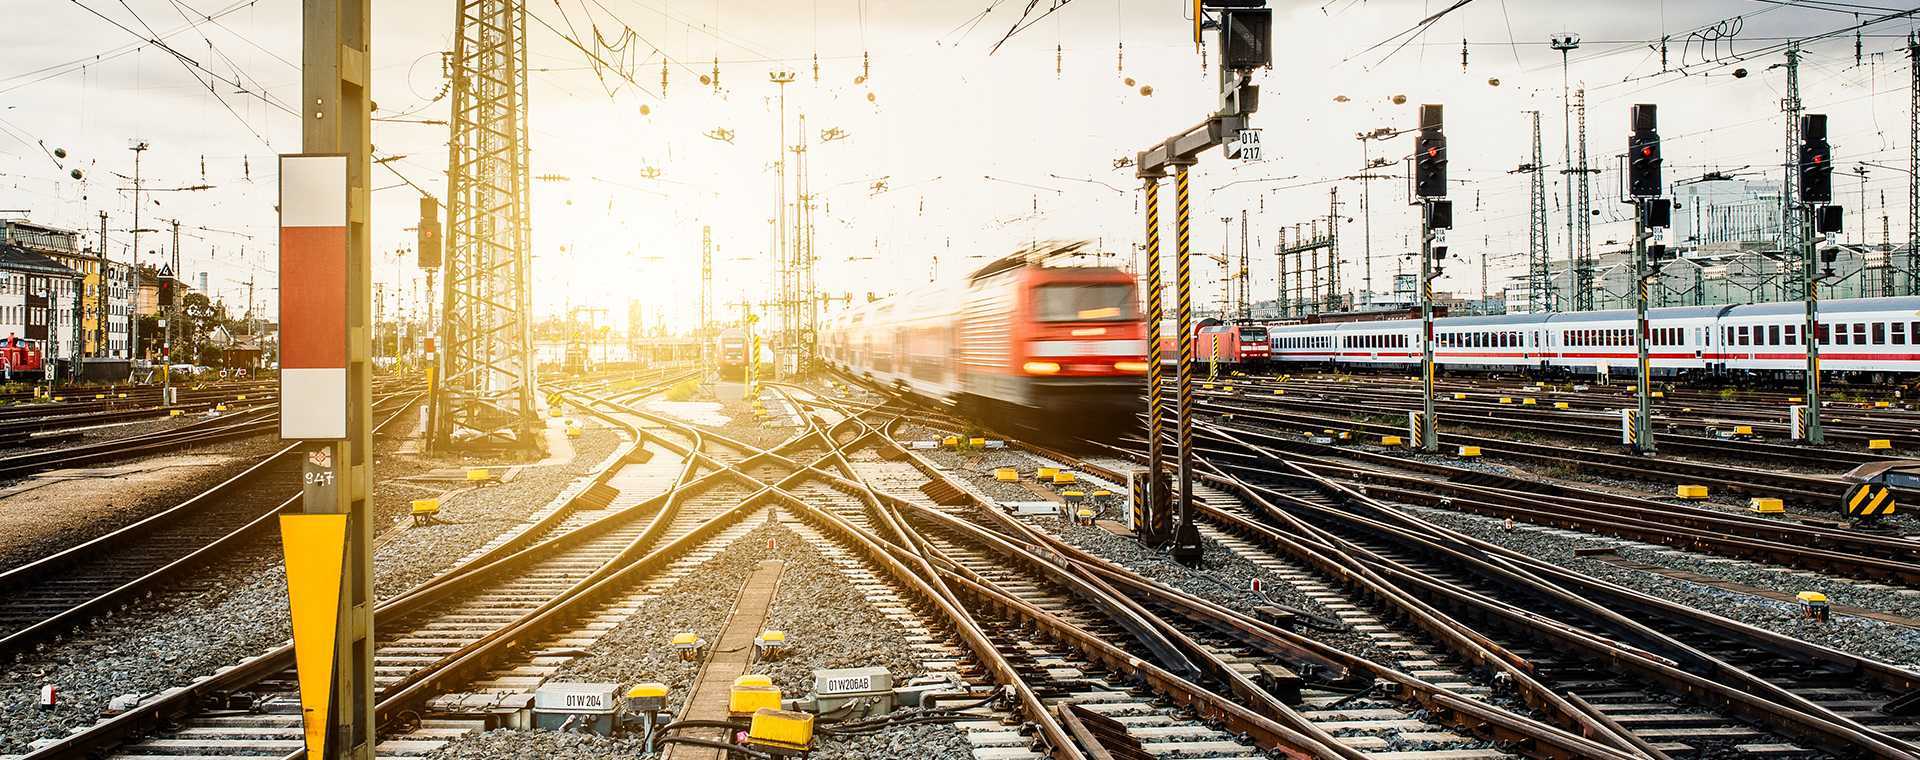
x: 1575, y: 633
x: 1216, y: 645
x: 46, y: 597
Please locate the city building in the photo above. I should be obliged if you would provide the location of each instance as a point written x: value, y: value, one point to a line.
x: 108, y: 337
x: 39, y: 303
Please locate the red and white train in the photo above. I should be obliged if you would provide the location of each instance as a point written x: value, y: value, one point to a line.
x: 1868, y: 336
x: 1015, y: 336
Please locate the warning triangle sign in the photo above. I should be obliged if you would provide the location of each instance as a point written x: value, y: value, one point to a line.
x: 316, y: 549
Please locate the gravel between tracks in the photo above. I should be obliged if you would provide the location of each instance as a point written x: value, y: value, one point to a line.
x: 1896, y: 644
x: 815, y: 606
x: 239, y: 608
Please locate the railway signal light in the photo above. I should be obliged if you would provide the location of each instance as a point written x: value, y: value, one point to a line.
x: 1656, y: 213
x: 1816, y: 160
x: 1430, y: 154
x: 1827, y: 220
x: 1643, y: 153
x: 1246, y: 36
x: 1439, y: 215
x: 428, y: 238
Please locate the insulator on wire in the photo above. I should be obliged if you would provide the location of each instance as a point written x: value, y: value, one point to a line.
x: 1120, y: 58
x: 816, y: 67
x: 716, y: 73
x: 663, y: 76
x: 1059, y: 55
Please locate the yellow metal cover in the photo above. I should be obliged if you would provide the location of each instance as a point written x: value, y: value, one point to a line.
x: 1063, y: 477
x: 747, y: 699
x: 976, y: 442
x: 1743, y: 430
x: 1506, y: 399
x: 1811, y: 597
x: 771, y: 636
x: 1072, y: 494
x: 782, y: 728
x: 1046, y: 472
x: 1102, y: 493
x: 241, y: 397
x: 173, y: 412
x: 1085, y: 513
x: 1765, y: 505
x: 1690, y: 492
x: 1882, y: 404
x: 573, y: 432
x: 952, y: 440
x: 753, y: 679
x: 1562, y: 405
x: 1279, y: 391
x: 647, y: 690
x: 1459, y: 396
x: 426, y: 506
x: 1529, y: 401
x: 1228, y: 389
x: 1469, y: 451
x: 1659, y: 394
x: 478, y: 473
x: 1389, y: 440
x: 685, y: 639
x: 218, y: 407
x: 1880, y: 443
x: 1006, y: 474
x: 316, y: 550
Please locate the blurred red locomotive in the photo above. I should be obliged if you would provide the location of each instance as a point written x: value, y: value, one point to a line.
x: 1017, y: 335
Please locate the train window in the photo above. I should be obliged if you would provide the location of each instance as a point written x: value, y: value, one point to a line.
x: 1898, y: 334
x: 1729, y: 337
x: 1839, y: 335
x: 1773, y: 335
x: 1914, y: 337
x: 1083, y: 303
x: 1879, y: 333
x: 1860, y: 333
x: 1792, y: 335
x: 1820, y: 336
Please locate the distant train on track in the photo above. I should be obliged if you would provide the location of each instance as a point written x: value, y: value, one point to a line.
x: 21, y: 359
x: 730, y: 350
x: 1017, y: 342
x: 1868, y: 337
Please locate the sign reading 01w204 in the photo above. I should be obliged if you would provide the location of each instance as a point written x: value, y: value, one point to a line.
x: 1245, y: 145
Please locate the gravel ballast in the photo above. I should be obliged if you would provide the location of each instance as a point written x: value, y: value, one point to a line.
x: 238, y: 608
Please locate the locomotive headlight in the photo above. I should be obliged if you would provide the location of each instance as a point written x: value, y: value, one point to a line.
x: 1130, y: 366
x: 1040, y: 368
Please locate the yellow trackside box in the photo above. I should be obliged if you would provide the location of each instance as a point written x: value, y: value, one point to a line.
x: 1765, y: 505
x: 753, y: 679
x: 1469, y: 451
x: 1743, y: 430
x: 1279, y: 392
x: 952, y: 442
x: 1690, y: 492
x: 1659, y: 394
x: 426, y: 507
x: 1045, y: 473
x: 241, y: 397
x: 1006, y: 474
x: 781, y: 731
x: 1506, y: 399
x: 978, y: 443
x: 1062, y: 478
x: 477, y: 474
x: 746, y: 699
x: 1459, y: 396
x: 173, y: 412
x: 1882, y: 404
x: 217, y: 407
x: 554, y: 412
x: 1880, y: 443
x: 1529, y: 402
x: 1390, y: 440
x: 1562, y: 405
x: 647, y: 697
x: 99, y: 395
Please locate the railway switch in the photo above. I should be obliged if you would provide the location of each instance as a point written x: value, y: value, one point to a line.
x: 780, y: 732
x: 852, y: 693
x: 689, y: 645
x: 769, y: 645
x: 576, y: 707
x: 1814, y: 606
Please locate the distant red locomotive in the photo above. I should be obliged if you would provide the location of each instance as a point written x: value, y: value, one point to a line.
x: 1230, y: 344
x: 20, y: 359
x: 1016, y: 335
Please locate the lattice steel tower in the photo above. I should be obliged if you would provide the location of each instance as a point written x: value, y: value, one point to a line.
x: 1913, y: 169
x: 1582, y: 242
x: 486, y: 389
x: 1540, y: 293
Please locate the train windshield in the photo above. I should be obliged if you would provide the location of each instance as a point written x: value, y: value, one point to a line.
x: 1083, y: 303
x: 1253, y: 333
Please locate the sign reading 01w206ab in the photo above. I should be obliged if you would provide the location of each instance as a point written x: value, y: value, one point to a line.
x: 313, y: 296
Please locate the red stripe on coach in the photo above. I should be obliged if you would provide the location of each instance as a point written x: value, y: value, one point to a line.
x: 313, y: 297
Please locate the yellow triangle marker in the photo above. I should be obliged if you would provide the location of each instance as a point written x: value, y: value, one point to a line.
x: 316, y: 549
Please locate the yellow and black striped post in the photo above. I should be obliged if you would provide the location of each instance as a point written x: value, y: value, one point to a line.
x: 1811, y: 334
x: 1186, y: 538
x: 1155, y: 525
x: 1213, y: 358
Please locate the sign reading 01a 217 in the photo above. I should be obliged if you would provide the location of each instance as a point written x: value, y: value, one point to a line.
x: 1245, y: 145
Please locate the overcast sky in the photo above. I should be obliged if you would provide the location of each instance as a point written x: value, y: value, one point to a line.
x: 980, y: 151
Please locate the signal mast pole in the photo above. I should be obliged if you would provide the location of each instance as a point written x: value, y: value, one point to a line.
x: 1436, y: 217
